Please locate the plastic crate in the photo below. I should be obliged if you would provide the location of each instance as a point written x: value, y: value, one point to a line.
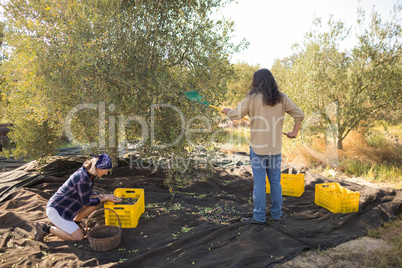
x: 128, y: 214
x: 335, y: 198
x: 292, y: 184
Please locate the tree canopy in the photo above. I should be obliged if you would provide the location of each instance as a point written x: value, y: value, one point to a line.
x: 239, y: 85
x: 95, y: 68
x: 346, y: 89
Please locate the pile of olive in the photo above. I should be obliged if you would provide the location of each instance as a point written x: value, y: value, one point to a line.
x: 128, y: 201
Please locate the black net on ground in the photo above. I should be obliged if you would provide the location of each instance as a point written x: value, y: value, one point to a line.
x: 196, y: 225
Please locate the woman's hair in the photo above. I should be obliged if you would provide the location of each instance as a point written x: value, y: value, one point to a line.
x: 90, y: 165
x: 264, y: 82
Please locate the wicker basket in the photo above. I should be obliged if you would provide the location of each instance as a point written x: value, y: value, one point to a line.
x: 104, y: 238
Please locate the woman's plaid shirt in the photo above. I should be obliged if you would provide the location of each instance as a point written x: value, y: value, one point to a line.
x: 74, y: 194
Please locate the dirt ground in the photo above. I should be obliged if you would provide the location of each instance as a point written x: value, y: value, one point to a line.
x: 353, y: 253
x: 199, y: 225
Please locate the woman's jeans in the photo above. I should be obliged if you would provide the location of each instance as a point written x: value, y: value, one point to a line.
x: 262, y: 166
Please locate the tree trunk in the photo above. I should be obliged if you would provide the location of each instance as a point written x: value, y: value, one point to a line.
x: 113, y: 153
x: 340, y: 144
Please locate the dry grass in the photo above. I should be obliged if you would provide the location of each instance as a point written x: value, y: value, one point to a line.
x: 377, y: 158
x: 391, y: 232
x: 357, y: 147
x: 375, y: 163
x: 372, y: 154
x: 381, y: 248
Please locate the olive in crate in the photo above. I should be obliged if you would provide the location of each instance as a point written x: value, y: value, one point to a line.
x: 129, y: 210
x: 128, y: 201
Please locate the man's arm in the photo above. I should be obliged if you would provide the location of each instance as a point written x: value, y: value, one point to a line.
x: 293, y: 134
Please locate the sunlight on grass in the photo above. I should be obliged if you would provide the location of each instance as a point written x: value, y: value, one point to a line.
x: 377, y: 140
x: 374, y: 154
x: 384, y: 173
x: 393, y: 131
x: 374, y: 172
x: 234, y: 139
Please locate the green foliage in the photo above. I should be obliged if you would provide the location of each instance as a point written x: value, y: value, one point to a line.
x: 3, y: 47
x: 177, y: 178
x: 123, y: 59
x: 239, y: 85
x: 179, y: 175
x: 355, y: 167
x: 360, y: 84
x: 377, y: 140
x: 32, y: 135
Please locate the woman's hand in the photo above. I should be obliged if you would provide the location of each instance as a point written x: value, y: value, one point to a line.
x: 114, y: 199
x: 111, y: 198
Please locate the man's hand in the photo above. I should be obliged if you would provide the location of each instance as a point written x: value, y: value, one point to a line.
x: 293, y: 134
x: 290, y: 135
x: 226, y: 110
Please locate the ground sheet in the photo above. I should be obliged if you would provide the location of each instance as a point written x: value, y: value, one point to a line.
x: 195, y: 226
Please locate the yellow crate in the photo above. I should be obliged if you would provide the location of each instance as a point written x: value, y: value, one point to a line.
x: 128, y: 214
x: 292, y: 185
x: 335, y: 198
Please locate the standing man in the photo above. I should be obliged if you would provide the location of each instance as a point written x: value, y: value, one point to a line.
x: 266, y: 106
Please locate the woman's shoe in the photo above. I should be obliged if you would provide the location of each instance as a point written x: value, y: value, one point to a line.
x: 39, y: 233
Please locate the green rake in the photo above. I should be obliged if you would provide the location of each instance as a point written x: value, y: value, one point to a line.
x: 195, y: 96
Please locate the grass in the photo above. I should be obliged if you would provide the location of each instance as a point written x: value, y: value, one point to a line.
x: 361, y: 255
x: 389, y: 173
x: 391, y: 232
x: 234, y: 139
x: 384, y: 173
x: 63, y: 145
x: 377, y: 140
x: 381, y: 127
x: 374, y: 154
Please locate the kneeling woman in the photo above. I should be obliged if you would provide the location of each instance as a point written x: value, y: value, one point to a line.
x: 74, y: 200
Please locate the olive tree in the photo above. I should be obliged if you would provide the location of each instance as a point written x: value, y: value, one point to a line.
x: 239, y: 85
x: 111, y: 71
x: 346, y: 89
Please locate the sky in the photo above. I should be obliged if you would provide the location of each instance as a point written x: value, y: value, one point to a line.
x: 272, y: 27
